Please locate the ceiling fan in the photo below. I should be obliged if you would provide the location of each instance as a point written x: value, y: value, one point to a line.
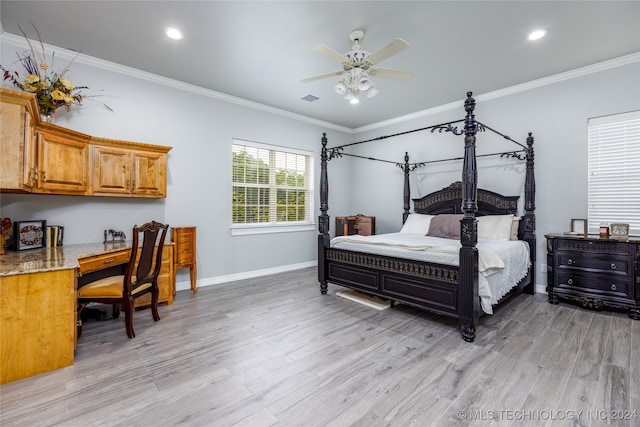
x: 358, y: 66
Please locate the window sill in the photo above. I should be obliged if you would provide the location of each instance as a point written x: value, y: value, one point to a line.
x: 244, y: 230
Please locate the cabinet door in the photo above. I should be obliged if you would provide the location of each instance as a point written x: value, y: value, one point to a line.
x: 17, y: 140
x: 63, y: 164
x: 149, y: 174
x: 111, y: 170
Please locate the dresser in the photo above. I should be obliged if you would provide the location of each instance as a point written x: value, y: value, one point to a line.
x: 184, y: 240
x: 356, y: 224
x: 593, y: 272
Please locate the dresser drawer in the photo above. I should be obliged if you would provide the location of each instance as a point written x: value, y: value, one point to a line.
x: 595, y: 284
x: 100, y: 262
x: 617, y: 264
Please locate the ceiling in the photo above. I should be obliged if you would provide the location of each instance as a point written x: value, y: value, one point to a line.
x: 258, y: 50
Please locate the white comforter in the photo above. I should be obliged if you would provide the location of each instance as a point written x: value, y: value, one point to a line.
x: 501, y: 263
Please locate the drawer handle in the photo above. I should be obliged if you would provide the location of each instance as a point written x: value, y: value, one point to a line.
x: 613, y: 287
x: 613, y: 266
x: 109, y: 261
x: 570, y: 281
x: 570, y: 261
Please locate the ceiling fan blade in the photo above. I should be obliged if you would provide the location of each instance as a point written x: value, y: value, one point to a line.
x: 322, y: 76
x: 326, y: 50
x: 390, y: 74
x: 396, y: 46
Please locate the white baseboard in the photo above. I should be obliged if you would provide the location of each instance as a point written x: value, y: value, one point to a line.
x: 211, y: 281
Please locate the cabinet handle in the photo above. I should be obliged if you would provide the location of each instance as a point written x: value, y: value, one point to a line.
x: 44, y: 176
x: 570, y: 281
x: 570, y: 261
x: 613, y: 266
x: 613, y: 287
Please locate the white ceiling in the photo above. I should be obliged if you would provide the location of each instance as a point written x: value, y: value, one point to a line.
x: 258, y: 50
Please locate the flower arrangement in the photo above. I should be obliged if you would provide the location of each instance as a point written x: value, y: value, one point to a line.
x: 52, y: 89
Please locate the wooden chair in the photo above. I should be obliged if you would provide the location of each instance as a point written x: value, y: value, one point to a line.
x: 140, y: 277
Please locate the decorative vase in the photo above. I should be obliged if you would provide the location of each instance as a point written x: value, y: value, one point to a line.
x: 46, y: 117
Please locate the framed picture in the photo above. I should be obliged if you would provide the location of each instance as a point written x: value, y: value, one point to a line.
x: 29, y: 235
x: 619, y: 231
x: 579, y: 226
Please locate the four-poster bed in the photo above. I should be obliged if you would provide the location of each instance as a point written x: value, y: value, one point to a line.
x: 449, y: 288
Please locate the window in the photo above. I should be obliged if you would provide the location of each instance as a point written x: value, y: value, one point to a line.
x: 272, y: 187
x: 614, y: 171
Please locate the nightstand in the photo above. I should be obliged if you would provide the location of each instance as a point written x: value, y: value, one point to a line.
x: 184, y: 254
x: 594, y: 272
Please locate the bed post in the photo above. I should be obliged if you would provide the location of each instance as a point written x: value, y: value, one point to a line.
x: 407, y: 189
x: 468, y: 303
x: 323, y: 218
x: 529, y: 215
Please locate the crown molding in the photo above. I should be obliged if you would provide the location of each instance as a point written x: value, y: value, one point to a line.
x: 533, y: 84
x: 20, y: 42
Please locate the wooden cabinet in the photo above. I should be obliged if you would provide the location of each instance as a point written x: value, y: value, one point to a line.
x: 184, y: 240
x: 62, y: 161
x: 44, y: 158
x: 122, y: 168
x: 594, y: 272
x: 357, y: 224
x: 17, y: 141
x: 37, y: 323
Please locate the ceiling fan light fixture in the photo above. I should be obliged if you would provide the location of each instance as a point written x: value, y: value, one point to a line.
x: 352, y: 96
x: 365, y: 83
x: 372, y: 92
x: 341, y: 87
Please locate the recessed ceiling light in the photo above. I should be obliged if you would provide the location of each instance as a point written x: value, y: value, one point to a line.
x: 537, y: 34
x: 174, y: 33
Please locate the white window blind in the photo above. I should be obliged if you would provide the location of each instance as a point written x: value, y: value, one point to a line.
x: 614, y: 171
x: 271, y: 185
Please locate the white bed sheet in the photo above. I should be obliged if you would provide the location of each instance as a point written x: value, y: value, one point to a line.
x: 502, y: 263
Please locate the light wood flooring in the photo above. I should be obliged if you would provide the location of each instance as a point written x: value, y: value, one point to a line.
x: 273, y: 351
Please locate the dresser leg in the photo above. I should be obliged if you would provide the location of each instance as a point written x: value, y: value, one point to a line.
x: 634, y: 313
x: 553, y: 299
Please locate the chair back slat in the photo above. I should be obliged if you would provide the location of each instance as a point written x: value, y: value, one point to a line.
x: 147, y: 271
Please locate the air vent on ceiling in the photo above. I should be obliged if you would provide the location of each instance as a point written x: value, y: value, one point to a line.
x: 310, y: 98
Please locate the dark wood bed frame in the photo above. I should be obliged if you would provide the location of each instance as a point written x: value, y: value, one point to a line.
x: 443, y: 289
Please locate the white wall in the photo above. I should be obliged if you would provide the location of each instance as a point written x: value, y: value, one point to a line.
x: 200, y: 128
x: 557, y: 115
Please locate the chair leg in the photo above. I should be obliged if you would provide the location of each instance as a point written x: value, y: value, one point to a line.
x: 129, y: 308
x: 154, y: 302
x: 116, y: 311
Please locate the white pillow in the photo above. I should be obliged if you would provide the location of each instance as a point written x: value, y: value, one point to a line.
x: 417, y: 224
x: 496, y: 227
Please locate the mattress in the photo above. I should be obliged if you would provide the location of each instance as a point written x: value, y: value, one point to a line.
x: 501, y: 263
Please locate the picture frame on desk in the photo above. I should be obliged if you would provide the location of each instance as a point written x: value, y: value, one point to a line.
x: 579, y: 226
x: 29, y: 235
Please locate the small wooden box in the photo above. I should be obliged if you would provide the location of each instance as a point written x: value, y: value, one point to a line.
x: 356, y: 224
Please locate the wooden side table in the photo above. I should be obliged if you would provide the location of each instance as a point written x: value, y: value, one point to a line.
x: 184, y: 254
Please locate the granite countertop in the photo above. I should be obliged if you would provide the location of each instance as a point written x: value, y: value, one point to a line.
x: 54, y: 258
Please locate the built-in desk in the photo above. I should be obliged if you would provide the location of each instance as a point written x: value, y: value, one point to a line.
x: 38, y: 304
